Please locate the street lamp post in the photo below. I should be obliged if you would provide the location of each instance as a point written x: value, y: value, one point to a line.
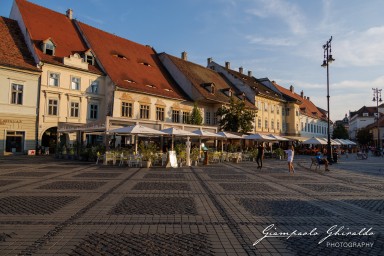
x: 328, y: 59
x: 377, y: 98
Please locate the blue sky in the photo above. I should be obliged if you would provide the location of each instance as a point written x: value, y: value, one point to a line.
x: 278, y: 39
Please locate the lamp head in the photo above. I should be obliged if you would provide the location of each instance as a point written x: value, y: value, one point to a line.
x: 330, y: 58
x: 374, y: 99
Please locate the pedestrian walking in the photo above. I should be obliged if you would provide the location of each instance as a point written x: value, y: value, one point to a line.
x: 290, y: 154
x: 260, y: 155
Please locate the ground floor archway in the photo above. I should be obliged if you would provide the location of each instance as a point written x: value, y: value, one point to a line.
x: 49, y: 139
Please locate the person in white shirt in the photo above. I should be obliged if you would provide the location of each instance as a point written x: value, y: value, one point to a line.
x: 290, y: 154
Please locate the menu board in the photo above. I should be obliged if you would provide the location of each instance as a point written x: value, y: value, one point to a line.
x: 172, y: 160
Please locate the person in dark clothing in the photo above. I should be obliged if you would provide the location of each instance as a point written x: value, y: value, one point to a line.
x: 260, y: 155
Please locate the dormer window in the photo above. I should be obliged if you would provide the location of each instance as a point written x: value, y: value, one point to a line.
x: 228, y: 92
x: 89, y: 58
x: 48, y: 47
x: 212, y: 88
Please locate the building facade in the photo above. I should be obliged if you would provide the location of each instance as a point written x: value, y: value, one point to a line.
x: 19, y: 85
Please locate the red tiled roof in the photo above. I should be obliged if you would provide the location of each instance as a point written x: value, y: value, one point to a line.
x: 201, y: 76
x: 130, y: 65
x: 253, y: 83
x: 13, y: 50
x: 307, y: 107
x: 43, y: 23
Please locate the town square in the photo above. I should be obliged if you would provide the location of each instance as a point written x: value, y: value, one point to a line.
x: 191, y: 127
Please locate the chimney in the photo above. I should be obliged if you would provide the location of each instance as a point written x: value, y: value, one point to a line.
x: 241, y: 70
x: 302, y: 94
x: 308, y: 99
x: 209, y: 60
x: 227, y: 65
x: 184, y: 55
x: 69, y: 14
x: 291, y: 88
x: 249, y: 73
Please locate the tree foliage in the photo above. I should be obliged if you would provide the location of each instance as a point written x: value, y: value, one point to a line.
x: 236, y: 117
x: 196, y: 117
x: 340, y: 132
x: 364, y: 137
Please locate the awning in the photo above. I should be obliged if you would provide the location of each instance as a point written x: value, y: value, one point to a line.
x: 298, y: 138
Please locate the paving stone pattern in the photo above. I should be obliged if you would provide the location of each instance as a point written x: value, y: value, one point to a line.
x: 286, y: 208
x: 328, y: 187
x: 7, y: 182
x: 144, y: 244
x: 162, y: 186
x: 33, y: 204
x: 98, y: 175
x: 57, y: 207
x: 75, y: 185
x: 29, y: 174
x: 166, y: 176
x: 159, y: 206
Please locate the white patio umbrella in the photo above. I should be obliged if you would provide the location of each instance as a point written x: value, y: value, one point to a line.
x: 227, y: 135
x: 333, y: 142
x: 315, y: 141
x: 278, y: 138
x: 258, y: 137
x: 202, y: 133
x: 350, y: 142
x: 136, y: 130
x: 177, y: 132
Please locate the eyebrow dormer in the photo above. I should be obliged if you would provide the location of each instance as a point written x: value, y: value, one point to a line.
x: 228, y: 92
x: 210, y: 87
x: 48, y: 47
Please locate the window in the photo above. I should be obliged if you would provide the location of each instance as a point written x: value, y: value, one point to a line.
x: 259, y: 123
x: 54, y: 79
x: 265, y: 106
x: 272, y: 124
x: 287, y: 111
x: 266, y: 124
x: 126, y: 109
x: 75, y: 83
x: 297, y: 126
x: 74, y: 109
x: 175, y: 116
x: 144, y: 111
x: 278, y: 110
x: 93, y: 111
x: 94, y: 88
x: 49, y: 48
x: 17, y: 94
x: 272, y: 108
x: 278, y: 125
x: 207, y: 117
x: 297, y: 113
x: 52, y: 107
x: 159, y: 113
x: 186, y: 117
x: 214, y: 118
x: 89, y: 58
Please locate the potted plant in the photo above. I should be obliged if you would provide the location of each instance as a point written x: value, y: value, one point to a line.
x: 195, y: 153
x: 279, y: 153
x: 253, y: 153
x: 181, y: 153
x: 148, y: 152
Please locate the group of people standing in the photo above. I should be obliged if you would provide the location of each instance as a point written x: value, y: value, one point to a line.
x: 290, y: 151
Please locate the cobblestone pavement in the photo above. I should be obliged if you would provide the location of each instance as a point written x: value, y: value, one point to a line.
x: 52, y: 207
